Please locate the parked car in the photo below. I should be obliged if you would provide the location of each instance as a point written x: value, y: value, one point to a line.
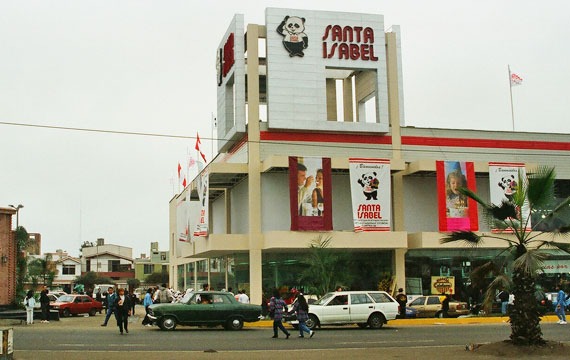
x: 52, y: 299
x: 430, y: 306
x: 205, y: 308
x: 411, y: 313
x: 364, y: 308
x: 68, y: 305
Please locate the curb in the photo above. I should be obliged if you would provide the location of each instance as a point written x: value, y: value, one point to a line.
x: 467, y: 320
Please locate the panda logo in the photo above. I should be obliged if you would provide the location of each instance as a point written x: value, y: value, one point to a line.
x: 294, y: 39
x: 369, y: 183
x: 509, y: 186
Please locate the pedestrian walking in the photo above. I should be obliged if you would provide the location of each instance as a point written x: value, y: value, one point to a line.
x: 44, y: 303
x: 30, y: 303
x: 147, y: 301
x: 123, y: 311
x: 111, y: 302
x: 561, y: 306
x: 445, y: 306
x: 301, y: 309
x: 276, y: 308
x: 504, y: 299
x: 402, y: 299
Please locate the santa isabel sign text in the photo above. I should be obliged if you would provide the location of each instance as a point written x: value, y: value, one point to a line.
x: 369, y: 211
x: 354, y: 43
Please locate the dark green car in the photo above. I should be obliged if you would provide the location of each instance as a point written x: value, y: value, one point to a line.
x: 205, y: 308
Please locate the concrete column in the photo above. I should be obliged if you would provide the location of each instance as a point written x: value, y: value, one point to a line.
x: 400, y: 268
x: 254, y: 165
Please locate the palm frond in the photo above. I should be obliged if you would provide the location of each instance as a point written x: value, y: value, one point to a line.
x: 530, y: 262
x: 565, y: 247
x: 469, y: 238
x: 540, y: 188
x: 501, y: 282
x: 470, y: 194
x: 504, y: 211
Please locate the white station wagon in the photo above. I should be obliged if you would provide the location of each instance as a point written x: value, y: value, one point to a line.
x: 364, y: 308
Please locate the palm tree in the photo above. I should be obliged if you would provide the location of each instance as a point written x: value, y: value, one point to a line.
x: 524, y: 245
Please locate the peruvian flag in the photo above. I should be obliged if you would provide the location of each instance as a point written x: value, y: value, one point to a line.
x: 197, y: 147
x: 516, y: 80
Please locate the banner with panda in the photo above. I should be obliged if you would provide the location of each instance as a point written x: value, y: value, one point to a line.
x: 370, y: 187
x: 504, y: 182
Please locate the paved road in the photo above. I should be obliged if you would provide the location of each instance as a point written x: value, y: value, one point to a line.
x: 81, y: 337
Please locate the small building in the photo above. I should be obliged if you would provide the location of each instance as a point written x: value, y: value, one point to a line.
x: 108, y: 260
x: 157, y: 262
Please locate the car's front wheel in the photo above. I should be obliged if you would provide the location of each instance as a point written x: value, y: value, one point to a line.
x: 376, y: 321
x: 234, y: 323
x: 168, y: 323
x: 93, y: 312
x: 66, y: 313
x: 312, y: 322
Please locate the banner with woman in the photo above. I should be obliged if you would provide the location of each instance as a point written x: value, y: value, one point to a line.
x: 310, y: 193
x: 456, y: 211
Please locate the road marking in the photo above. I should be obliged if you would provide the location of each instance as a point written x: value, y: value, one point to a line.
x: 386, y: 342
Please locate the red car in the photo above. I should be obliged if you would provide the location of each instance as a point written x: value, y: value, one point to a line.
x: 68, y: 305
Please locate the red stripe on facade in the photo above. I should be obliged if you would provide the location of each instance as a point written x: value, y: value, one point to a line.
x: 485, y: 143
x: 325, y: 137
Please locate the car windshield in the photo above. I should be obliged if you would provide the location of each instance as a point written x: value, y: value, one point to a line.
x: 65, y: 298
x: 324, y: 299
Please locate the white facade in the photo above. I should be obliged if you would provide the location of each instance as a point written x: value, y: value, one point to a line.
x: 250, y: 218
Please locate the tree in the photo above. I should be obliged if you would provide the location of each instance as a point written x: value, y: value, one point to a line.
x: 22, y: 239
x: 157, y: 278
x: 90, y: 278
x: 86, y: 244
x: 537, y: 192
x: 133, y: 284
x: 42, y: 270
x: 325, y: 268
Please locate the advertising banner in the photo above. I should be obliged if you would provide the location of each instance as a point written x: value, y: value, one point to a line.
x: 504, y: 181
x: 456, y: 211
x: 310, y: 193
x: 201, y: 228
x: 443, y: 285
x: 370, y: 187
x: 182, y: 219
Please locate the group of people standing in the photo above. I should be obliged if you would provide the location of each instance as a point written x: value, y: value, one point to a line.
x: 30, y: 303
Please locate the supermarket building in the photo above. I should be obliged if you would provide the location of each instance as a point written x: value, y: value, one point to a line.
x: 329, y: 85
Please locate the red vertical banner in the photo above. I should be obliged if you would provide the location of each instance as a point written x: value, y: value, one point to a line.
x: 456, y: 211
x: 310, y: 193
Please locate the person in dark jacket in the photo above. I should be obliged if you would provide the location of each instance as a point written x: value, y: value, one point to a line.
x: 123, y: 310
x: 276, y: 307
x: 111, y: 300
x: 301, y: 308
x: 44, y: 302
x: 445, y: 306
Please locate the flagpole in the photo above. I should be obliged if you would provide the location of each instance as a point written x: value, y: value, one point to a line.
x: 511, y: 93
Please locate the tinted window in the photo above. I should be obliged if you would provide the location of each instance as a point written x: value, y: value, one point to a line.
x: 433, y: 300
x: 325, y: 298
x: 359, y: 299
x: 380, y: 297
x: 418, y: 301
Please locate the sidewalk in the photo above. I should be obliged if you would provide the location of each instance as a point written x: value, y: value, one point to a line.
x: 469, y: 320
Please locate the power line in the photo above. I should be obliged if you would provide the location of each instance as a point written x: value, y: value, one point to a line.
x: 329, y: 145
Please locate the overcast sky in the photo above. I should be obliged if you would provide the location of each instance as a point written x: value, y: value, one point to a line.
x: 149, y: 67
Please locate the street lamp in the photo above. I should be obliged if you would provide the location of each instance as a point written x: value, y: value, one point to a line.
x: 17, y: 208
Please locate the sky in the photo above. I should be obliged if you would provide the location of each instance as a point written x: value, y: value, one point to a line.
x: 148, y: 66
